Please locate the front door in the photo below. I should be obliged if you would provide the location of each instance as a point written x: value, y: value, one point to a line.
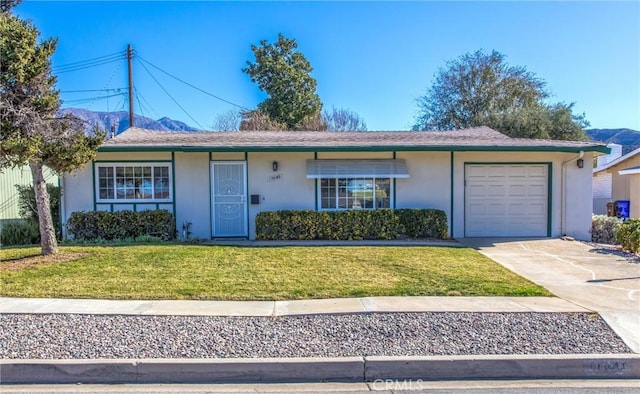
x: 229, y: 198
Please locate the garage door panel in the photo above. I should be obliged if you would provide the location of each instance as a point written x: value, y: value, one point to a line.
x: 517, y: 172
x: 506, y: 200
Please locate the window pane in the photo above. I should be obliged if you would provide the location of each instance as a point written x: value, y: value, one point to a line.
x: 328, y: 193
x: 383, y: 193
x: 161, y: 182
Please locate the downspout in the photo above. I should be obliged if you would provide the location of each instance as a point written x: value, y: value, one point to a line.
x: 564, y: 193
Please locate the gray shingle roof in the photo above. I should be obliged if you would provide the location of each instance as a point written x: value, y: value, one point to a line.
x: 479, y: 138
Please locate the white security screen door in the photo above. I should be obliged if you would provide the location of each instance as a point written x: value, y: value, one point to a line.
x: 229, y: 199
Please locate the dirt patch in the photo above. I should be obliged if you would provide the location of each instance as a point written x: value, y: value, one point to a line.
x: 32, y: 261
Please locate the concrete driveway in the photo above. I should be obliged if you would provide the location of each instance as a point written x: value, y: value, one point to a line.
x: 591, y: 277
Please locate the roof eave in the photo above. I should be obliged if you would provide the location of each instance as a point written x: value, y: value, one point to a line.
x: 363, y: 148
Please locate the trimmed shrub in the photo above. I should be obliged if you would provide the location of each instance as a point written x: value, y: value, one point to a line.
x: 423, y: 223
x: 20, y: 232
x: 603, y: 229
x: 121, y: 225
x: 628, y: 235
x: 351, y: 224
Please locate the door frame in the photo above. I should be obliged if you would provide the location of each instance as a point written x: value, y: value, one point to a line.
x: 212, y: 197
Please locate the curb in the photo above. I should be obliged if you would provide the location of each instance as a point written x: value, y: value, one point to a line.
x: 345, y: 369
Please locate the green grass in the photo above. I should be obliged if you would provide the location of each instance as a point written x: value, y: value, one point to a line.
x: 173, y: 271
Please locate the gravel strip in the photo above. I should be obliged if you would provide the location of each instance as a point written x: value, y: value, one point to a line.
x: 64, y: 336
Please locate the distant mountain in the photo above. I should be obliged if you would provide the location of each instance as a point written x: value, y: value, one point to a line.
x: 121, y: 120
x: 629, y: 139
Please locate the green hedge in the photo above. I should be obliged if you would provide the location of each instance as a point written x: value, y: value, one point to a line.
x: 121, y: 225
x: 20, y: 232
x: 351, y: 225
x: 423, y: 223
x: 628, y: 235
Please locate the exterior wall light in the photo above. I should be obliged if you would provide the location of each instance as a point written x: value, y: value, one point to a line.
x: 274, y: 166
x: 580, y: 163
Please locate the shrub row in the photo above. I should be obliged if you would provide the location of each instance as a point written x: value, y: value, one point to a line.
x: 351, y: 225
x: 603, y: 229
x: 628, y: 235
x: 87, y: 226
x: 20, y: 232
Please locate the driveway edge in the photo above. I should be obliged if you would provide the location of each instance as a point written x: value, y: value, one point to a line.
x: 345, y: 369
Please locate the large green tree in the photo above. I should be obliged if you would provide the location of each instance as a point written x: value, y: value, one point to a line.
x: 284, y: 74
x: 482, y: 89
x: 30, y: 131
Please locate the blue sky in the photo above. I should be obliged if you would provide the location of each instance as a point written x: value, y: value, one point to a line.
x: 374, y: 58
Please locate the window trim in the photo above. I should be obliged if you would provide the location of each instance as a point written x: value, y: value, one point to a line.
x: 115, y: 164
x: 319, y: 194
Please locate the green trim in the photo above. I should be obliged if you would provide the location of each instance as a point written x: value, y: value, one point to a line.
x: 246, y: 191
x: 549, y: 185
x: 95, y: 186
x: 210, y: 196
x: 173, y: 186
x: 549, y: 198
x: 132, y: 161
x: 393, y: 206
x: 382, y: 148
x: 451, y: 197
x: 315, y: 181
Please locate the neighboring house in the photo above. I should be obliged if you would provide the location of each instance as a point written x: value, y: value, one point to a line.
x: 620, y: 178
x: 9, y: 178
x: 487, y: 183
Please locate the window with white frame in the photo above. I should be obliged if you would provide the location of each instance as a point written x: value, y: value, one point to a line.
x: 128, y: 182
x: 355, y: 193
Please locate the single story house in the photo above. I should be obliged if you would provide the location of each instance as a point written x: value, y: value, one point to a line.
x: 487, y: 183
x: 619, y: 179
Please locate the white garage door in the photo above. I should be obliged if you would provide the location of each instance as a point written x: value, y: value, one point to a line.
x: 506, y: 200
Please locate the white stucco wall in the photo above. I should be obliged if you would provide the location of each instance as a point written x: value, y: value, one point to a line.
x: 286, y: 188
x: 193, y: 194
x: 428, y: 185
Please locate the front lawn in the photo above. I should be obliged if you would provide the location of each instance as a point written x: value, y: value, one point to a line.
x: 250, y: 273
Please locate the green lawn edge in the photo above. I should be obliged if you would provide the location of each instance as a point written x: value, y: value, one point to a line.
x: 214, y: 272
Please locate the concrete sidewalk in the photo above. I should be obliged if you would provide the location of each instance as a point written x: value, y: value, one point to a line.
x: 283, y: 308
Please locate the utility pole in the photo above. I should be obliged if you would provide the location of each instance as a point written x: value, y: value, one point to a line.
x: 129, y: 60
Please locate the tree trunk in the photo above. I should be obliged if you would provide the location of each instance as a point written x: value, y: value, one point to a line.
x: 48, y: 239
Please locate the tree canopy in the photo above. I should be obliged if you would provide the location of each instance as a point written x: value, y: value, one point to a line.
x: 481, y: 89
x: 284, y: 74
x: 30, y: 131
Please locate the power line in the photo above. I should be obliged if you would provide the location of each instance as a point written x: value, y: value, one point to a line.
x: 148, y: 104
x: 87, y: 66
x: 188, y: 84
x: 89, y: 99
x: 171, y: 97
x: 88, y: 60
x: 93, y: 90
